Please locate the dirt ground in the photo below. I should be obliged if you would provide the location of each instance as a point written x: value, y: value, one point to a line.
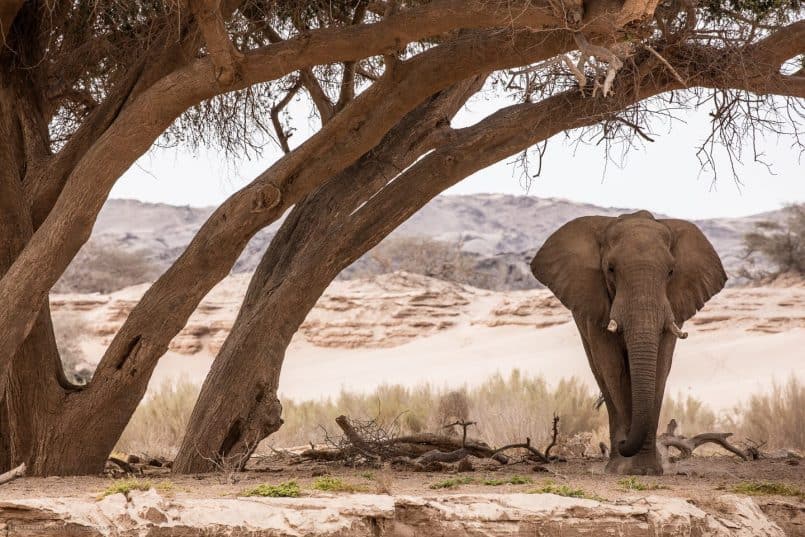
x: 698, y: 479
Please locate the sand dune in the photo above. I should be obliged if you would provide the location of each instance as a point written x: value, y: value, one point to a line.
x: 408, y: 329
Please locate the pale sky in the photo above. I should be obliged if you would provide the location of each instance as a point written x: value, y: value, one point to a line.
x: 663, y: 176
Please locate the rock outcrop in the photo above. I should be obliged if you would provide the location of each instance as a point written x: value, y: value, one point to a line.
x: 148, y: 513
x: 393, y: 309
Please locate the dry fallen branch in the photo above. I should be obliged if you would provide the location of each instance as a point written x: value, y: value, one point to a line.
x: 12, y: 474
x: 420, y: 451
x: 123, y: 465
x: 527, y: 445
x: 686, y: 446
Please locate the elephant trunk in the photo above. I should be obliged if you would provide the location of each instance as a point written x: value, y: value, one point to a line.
x: 642, y: 347
x: 644, y: 322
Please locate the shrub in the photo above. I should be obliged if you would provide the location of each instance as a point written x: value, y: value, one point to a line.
x: 104, y: 268
x: 288, y: 489
x: 418, y: 255
x: 691, y: 414
x: 549, y: 486
x: 782, y: 244
x: 70, y: 328
x: 777, y: 416
x: 633, y: 483
x: 513, y: 480
x: 334, y: 484
x: 158, y: 425
x: 758, y: 488
x: 452, y: 483
x: 124, y: 486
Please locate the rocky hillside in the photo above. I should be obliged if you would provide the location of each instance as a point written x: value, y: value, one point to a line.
x: 494, y: 234
x: 394, y: 309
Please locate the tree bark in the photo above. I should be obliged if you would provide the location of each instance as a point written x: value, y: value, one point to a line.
x: 36, y: 383
x: 275, y: 305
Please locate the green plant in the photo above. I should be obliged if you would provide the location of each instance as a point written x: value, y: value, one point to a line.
x: 334, y: 484
x: 452, y: 483
x: 165, y: 486
x: 124, y: 486
x: 550, y: 486
x: 288, y: 489
x: 759, y: 488
x: 513, y: 480
x: 367, y: 475
x: 633, y: 483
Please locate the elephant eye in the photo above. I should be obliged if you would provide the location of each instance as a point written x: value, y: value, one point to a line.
x: 670, y: 273
x: 611, y: 269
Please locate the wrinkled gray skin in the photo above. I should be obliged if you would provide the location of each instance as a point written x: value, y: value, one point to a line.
x: 648, y: 276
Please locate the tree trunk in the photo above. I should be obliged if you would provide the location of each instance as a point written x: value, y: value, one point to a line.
x: 35, y: 384
x: 307, y: 253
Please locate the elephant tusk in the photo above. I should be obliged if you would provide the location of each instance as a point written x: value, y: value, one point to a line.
x: 612, y: 326
x: 677, y: 332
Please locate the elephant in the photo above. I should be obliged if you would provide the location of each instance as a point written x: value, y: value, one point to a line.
x: 630, y: 282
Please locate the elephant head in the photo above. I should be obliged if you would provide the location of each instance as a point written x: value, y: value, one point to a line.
x: 639, y: 277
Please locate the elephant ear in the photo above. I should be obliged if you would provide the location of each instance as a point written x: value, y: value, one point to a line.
x: 698, y: 273
x: 569, y: 264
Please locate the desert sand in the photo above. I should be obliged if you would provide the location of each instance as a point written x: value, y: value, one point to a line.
x: 409, y: 329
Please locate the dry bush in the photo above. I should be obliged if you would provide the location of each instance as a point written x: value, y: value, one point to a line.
x: 446, y: 261
x: 692, y: 416
x: 104, y: 269
x: 506, y: 409
x: 777, y: 416
x: 417, y: 255
x: 70, y: 328
x: 159, y: 423
x: 780, y: 243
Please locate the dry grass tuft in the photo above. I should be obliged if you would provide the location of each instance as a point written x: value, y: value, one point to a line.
x: 158, y: 425
x: 777, y: 416
x: 762, y: 488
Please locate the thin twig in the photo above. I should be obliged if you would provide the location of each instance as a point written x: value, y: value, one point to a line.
x: 668, y: 65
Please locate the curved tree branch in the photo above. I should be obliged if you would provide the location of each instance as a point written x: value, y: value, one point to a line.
x: 222, y: 51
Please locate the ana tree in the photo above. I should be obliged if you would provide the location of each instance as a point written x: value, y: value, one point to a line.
x: 89, y: 86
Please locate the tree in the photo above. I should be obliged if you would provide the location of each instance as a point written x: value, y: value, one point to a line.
x: 88, y: 86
